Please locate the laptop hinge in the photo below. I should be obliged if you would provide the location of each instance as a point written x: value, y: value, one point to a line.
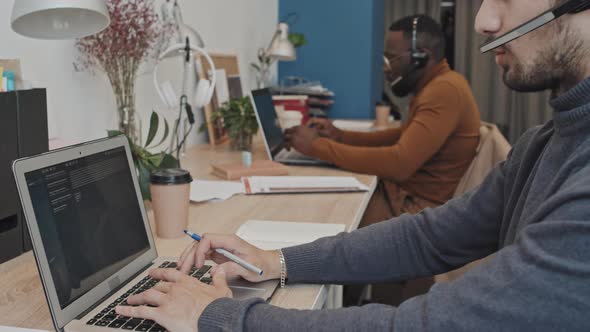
x: 276, y: 150
x: 123, y: 284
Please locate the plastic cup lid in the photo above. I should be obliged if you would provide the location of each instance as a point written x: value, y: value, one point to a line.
x: 171, y: 176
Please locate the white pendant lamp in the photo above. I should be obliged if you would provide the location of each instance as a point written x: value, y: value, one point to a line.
x: 59, y: 19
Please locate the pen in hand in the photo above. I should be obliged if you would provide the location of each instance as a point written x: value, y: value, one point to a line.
x: 229, y: 255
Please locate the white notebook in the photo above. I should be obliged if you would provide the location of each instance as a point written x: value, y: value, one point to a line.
x: 301, y: 184
x: 270, y: 235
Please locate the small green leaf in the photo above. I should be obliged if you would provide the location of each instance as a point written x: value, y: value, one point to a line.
x: 144, y: 181
x: 113, y: 133
x: 166, y: 132
x: 255, y: 66
x: 156, y: 159
x: 297, y: 39
x: 203, y: 127
x: 154, y: 123
x: 168, y: 161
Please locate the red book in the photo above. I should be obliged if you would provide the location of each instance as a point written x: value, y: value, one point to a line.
x: 294, y: 103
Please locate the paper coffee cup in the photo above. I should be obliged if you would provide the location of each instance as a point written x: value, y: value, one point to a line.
x: 382, y: 113
x: 170, y: 190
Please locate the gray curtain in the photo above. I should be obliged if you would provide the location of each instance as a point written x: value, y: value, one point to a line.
x: 513, y: 112
x: 396, y: 9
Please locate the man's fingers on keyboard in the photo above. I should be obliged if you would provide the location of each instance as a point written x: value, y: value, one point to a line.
x: 168, y: 275
x: 202, y: 249
x: 163, y: 286
x: 187, y: 263
x: 150, y: 296
x: 185, y: 253
x: 144, y: 312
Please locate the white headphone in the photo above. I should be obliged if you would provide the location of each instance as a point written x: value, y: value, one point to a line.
x: 205, y: 87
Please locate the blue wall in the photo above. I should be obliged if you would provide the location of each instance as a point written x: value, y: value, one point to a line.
x: 344, y: 51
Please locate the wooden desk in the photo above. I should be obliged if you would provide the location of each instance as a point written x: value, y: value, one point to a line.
x: 23, y: 304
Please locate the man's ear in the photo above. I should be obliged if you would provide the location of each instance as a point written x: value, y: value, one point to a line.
x: 431, y: 57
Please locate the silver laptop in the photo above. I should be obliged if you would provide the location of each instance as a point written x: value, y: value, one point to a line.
x: 91, y: 236
x: 272, y: 133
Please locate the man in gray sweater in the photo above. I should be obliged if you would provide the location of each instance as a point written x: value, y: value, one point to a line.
x: 532, y: 211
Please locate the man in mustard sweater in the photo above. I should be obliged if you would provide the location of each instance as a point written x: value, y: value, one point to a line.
x: 421, y: 163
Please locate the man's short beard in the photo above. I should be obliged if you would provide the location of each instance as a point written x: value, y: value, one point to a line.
x: 539, y: 76
x: 556, y: 67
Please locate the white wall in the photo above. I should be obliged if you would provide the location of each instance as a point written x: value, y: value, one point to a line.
x: 81, y: 106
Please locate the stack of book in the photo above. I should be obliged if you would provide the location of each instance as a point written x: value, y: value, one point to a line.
x: 235, y: 171
x: 319, y: 99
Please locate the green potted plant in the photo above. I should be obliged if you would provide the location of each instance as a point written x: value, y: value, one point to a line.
x: 146, y: 161
x: 239, y: 120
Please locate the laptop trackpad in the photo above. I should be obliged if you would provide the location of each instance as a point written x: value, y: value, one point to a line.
x: 241, y: 293
x: 243, y: 289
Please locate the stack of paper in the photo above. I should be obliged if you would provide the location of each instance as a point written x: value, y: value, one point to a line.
x: 202, y: 191
x: 271, y: 235
x: 301, y: 184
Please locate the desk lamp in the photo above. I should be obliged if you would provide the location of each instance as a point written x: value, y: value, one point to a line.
x: 280, y: 48
x: 59, y: 19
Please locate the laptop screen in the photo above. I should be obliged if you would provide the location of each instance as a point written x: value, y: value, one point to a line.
x: 89, y: 218
x: 268, y: 120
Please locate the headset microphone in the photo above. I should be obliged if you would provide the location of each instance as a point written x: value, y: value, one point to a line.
x: 396, y: 81
x: 190, y: 115
x: 413, y: 67
x: 188, y: 109
x: 568, y: 7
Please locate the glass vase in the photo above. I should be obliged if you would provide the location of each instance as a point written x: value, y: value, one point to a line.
x: 243, y: 142
x: 130, y: 123
x: 263, y: 78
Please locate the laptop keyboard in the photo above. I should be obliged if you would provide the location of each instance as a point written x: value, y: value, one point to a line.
x: 109, y: 318
x: 293, y: 155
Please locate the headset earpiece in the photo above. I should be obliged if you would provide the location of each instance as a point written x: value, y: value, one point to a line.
x: 419, y: 58
x: 202, y: 95
x: 205, y: 87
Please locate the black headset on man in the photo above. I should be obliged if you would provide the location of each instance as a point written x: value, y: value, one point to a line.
x: 418, y: 57
x: 403, y: 84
